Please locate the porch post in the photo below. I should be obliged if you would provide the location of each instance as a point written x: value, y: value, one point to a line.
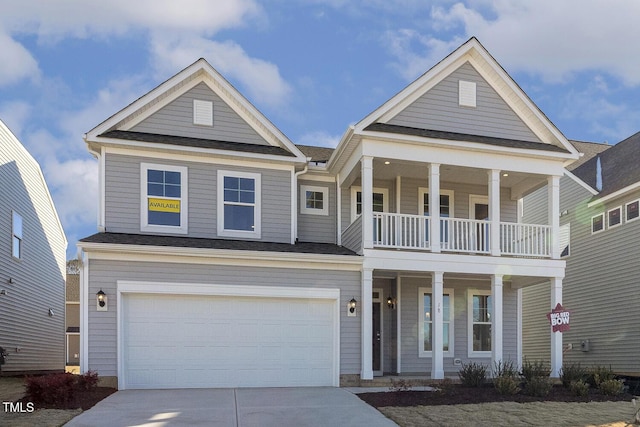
x: 366, y: 309
x: 553, y: 194
x: 556, y: 337
x: 434, y: 206
x: 367, y: 202
x: 494, y: 212
x: 437, y: 353
x: 496, y: 320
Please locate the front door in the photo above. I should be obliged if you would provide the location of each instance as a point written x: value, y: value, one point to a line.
x: 377, y: 332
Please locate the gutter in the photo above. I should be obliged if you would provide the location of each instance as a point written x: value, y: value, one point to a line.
x: 294, y: 201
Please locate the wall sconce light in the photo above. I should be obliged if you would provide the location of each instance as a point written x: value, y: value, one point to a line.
x: 101, y: 301
x: 391, y: 302
x: 351, y: 307
x: 51, y: 313
x: 11, y: 280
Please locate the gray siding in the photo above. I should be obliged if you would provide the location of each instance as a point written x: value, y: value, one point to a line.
x: 352, y: 236
x: 438, y: 109
x: 122, y: 198
x: 104, y: 275
x: 38, y: 277
x: 412, y: 363
x: 177, y: 119
x: 318, y: 228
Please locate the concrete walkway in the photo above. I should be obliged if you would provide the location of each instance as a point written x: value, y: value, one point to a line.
x: 264, y: 407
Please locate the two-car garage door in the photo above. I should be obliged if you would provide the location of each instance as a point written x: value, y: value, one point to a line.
x: 183, y: 341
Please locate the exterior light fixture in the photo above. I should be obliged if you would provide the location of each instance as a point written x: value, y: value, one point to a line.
x: 11, y: 280
x: 101, y: 301
x: 391, y: 302
x: 387, y: 162
x: 351, y: 307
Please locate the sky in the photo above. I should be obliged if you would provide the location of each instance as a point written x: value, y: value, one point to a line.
x: 312, y: 67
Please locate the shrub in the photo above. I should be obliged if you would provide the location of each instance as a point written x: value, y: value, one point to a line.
x: 572, y: 373
x: 599, y: 374
x: 611, y: 387
x: 505, y: 369
x: 88, y: 381
x: 579, y: 387
x: 506, y: 385
x: 400, y: 385
x: 55, y: 389
x: 538, y: 386
x: 472, y: 374
x: 537, y: 369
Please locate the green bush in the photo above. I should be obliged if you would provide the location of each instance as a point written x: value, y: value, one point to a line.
x: 538, y: 386
x: 572, y: 373
x: 599, y: 374
x: 536, y: 369
x: 579, y: 387
x: 611, y: 387
x: 506, y: 386
x: 472, y: 374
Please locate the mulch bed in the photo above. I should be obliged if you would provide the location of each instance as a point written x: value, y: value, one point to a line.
x: 457, y: 394
x: 81, y: 399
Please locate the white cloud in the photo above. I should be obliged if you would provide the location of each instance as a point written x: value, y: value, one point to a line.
x: 17, y: 62
x: 15, y: 114
x: 319, y: 139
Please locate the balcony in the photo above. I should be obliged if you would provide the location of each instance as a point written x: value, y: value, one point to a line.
x: 411, y: 232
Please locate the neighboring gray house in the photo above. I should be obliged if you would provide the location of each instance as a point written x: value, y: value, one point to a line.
x: 599, y: 202
x: 228, y: 256
x: 72, y: 319
x: 32, y: 264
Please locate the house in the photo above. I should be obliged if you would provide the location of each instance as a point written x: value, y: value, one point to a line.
x: 72, y: 318
x: 228, y: 256
x: 599, y: 202
x: 32, y: 264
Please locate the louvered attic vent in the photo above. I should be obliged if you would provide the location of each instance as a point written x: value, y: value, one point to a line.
x: 466, y: 93
x: 202, y: 112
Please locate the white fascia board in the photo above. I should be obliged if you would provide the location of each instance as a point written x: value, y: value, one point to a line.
x: 580, y: 182
x: 350, y: 163
x: 340, y: 148
x: 463, y: 264
x: 150, y: 149
x: 312, y: 175
x: 164, y: 254
x: 466, y: 154
x: 619, y: 193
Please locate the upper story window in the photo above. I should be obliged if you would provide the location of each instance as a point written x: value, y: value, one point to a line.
x: 380, y: 201
x: 239, y: 204
x: 314, y: 200
x: 202, y: 112
x: 446, y: 202
x: 164, y: 198
x: 631, y: 210
x: 16, y: 235
x: 597, y: 223
x: 425, y: 322
x: 480, y: 314
x: 615, y: 216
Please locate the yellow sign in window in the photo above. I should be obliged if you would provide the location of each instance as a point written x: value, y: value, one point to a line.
x: 164, y: 205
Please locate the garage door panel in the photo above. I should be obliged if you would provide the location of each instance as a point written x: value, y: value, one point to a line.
x: 175, y: 341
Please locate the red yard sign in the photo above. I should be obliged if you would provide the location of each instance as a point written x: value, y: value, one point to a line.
x: 559, y: 318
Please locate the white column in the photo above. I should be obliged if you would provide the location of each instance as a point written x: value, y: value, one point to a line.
x: 494, y: 212
x: 366, y: 309
x: 496, y: 320
x: 434, y: 206
x: 553, y: 194
x: 556, y: 337
x: 367, y: 201
x: 437, y: 359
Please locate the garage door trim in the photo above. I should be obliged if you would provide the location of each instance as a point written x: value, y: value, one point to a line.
x: 140, y: 287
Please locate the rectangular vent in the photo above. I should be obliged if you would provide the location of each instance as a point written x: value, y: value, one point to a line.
x: 202, y: 112
x: 467, y: 93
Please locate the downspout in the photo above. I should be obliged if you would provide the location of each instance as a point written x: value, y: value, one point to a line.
x: 99, y: 155
x: 294, y: 198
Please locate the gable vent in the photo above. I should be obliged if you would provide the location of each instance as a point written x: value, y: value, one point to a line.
x: 466, y: 93
x: 202, y: 112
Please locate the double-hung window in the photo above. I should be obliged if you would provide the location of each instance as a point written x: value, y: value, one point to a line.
x: 632, y: 211
x: 480, y: 315
x: 16, y: 235
x: 380, y: 202
x: 425, y: 322
x: 163, y: 205
x: 446, y: 210
x: 239, y: 204
x: 597, y: 223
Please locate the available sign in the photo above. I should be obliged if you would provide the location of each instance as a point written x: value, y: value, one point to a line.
x: 164, y: 205
x: 559, y: 318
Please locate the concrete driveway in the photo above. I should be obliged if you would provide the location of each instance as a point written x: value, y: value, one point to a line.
x: 263, y: 407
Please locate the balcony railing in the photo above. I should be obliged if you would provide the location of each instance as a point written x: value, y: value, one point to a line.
x: 471, y: 236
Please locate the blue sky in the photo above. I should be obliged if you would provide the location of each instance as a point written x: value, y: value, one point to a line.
x: 312, y: 67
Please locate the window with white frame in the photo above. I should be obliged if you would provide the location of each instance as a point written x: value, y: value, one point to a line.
x: 425, y: 322
x: 597, y: 223
x: 614, y: 217
x: 565, y: 237
x: 16, y: 235
x: 314, y: 200
x: 446, y: 202
x: 380, y: 201
x: 480, y: 314
x: 164, y: 198
x: 631, y: 210
x: 239, y: 207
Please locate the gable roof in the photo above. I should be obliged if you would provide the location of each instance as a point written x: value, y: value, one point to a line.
x: 588, y: 150
x: 473, y: 52
x: 317, y: 154
x: 198, y: 72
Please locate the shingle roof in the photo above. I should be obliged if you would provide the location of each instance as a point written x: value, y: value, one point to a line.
x: 619, y: 166
x: 454, y: 136
x: 200, y: 243
x: 317, y: 154
x: 197, y: 142
x: 589, y: 150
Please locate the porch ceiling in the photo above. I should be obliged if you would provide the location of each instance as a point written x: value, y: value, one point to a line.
x: 515, y: 282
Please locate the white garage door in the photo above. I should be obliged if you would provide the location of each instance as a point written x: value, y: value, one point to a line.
x: 178, y: 341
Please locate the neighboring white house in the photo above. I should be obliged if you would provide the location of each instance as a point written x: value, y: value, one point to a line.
x: 32, y: 264
x: 228, y: 256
